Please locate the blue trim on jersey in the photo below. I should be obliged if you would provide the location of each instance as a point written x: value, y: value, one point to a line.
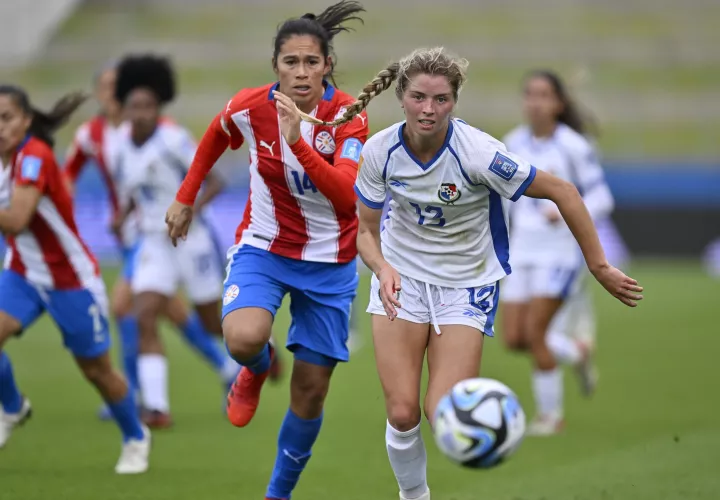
x: 390, y: 152
x: 329, y: 91
x: 444, y: 146
x: 526, y: 183
x: 462, y: 170
x: 273, y: 89
x: 499, y: 232
x: 22, y: 144
x: 368, y: 202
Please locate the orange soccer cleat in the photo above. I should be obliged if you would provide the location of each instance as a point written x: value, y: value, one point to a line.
x: 244, y: 395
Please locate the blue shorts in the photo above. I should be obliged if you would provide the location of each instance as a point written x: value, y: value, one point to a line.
x: 77, y: 313
x: 129, y: 255
x: 321, y: 295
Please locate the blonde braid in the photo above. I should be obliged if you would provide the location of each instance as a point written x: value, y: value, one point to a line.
x: 382, y: 81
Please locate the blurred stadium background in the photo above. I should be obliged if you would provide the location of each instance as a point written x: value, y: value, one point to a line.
x: 649, y: 71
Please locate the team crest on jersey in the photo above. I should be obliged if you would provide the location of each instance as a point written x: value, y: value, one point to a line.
x: 325, y: 143
x: 231, y: 294
x: 449, y: 193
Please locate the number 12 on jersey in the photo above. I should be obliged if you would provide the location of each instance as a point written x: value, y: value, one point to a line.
x: 432, y: 213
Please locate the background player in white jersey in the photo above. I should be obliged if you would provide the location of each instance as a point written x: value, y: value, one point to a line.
x: 546, y: 307
x: 153, y: 159
x: 48, y: 268
x: 444, y: 247
x: 99, y: 140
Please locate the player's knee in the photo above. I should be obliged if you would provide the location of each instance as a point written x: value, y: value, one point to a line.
x: 244, y: 339
x: 515, y: 343
x: 97, y: 371
x: 403, y: 415
x: 308, y: 395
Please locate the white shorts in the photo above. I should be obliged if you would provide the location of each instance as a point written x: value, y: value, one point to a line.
x: 195, y: 264
x: 439, y: 305
x: 528, y: 282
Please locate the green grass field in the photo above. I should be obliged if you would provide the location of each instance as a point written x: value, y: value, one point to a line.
x: 652, y: 431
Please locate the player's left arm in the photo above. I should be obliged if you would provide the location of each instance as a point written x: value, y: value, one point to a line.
x: 336, y: 181
x: 30, y: 183
x: 511, y: 176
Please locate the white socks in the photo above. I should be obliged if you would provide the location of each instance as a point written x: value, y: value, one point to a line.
x: 408, y: 459
x: 153, y: 379
x: 563, y: 348
x: 548, y: 391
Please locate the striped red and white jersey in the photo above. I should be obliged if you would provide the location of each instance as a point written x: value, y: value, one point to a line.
x: 99, y: 140
x: 301, y: 202
x: 49, y: 253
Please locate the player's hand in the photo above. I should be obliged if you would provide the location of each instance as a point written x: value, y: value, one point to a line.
x: 178, y: 219
x: 288, y: 116
x: 389, y: 290
x: 620, y: 286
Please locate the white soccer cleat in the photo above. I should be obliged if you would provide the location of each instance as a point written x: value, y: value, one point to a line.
x: 546, y: 425
x: 424, y: 496
x: 135, y: 455
x: 8, y: 421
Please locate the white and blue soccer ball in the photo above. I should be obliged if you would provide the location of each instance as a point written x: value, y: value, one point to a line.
x: 479, y: 423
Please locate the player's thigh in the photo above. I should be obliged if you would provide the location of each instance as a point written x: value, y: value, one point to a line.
x: 121, y: 299
x: 82, y: 317
x: 253, y: 294
x: 399, y: 355
x: 453, y: 356
x: 20, y: 305
x: 157, y: 269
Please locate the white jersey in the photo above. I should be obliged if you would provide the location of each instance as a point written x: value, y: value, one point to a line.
x: 568, y: 155
x: 447, y: 223
x: 153, y: 172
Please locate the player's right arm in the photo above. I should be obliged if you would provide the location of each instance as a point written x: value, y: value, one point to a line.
x: 221, y: 133
x: 372, y: 191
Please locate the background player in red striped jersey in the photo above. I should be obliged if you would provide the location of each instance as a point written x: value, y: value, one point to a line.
x: 298, y: 232
x: 49, y: 268
x: 99, y: 139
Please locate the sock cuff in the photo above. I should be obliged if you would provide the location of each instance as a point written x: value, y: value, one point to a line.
x: 125, y: 321
x: 302, y: 422
x: 404, y: 434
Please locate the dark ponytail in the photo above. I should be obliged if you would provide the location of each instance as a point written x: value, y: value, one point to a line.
x: 323, y: 27
x: 582, y: 123
x: 44, y: 124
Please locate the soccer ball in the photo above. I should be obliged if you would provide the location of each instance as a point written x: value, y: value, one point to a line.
x: 479, y: 423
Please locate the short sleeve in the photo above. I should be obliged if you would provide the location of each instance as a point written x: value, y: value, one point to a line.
x: 504, y: 172
x: 34, y: 171
x: 370, y: 185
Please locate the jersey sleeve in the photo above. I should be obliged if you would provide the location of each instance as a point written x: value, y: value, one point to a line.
x: 504, y: 172
x: 35, y: 170
x: 336, y: 181
x: 370, y: 185
x: 221, y: 134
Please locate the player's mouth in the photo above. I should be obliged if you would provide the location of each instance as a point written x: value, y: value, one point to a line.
x: 302, y: 90
x: 426, y: 124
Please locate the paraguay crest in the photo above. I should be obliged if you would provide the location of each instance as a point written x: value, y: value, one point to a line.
x: 325, y: 143
x: 449, y: 193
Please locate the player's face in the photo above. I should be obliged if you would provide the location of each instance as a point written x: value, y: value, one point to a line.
x: 301, y: 67
x: 428, y: 103
x: 541, y: 103
x: 105, y: 93
x: 143, y: 111
x: 14, y: 124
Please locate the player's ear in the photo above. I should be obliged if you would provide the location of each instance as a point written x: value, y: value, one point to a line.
x: 328, y: 65
x: 273, y: 61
